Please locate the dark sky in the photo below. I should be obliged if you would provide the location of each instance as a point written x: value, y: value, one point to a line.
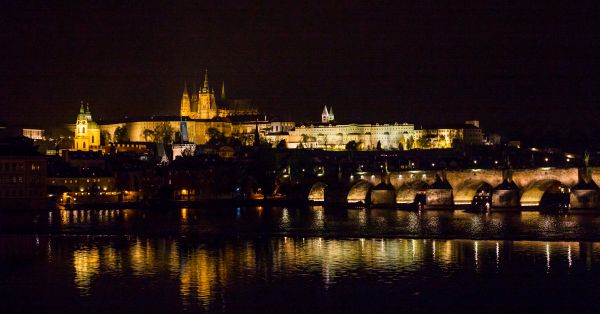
x: 531, y: 67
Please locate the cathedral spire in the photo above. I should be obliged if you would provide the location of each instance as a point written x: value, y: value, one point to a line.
x: 205, y: 87
x: 223, y: 91
x: 185, y: 102
x: 331, y: 116
x: 325, y: 115
x: 81, y: 110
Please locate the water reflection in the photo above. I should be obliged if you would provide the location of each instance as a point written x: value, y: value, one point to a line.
x: 205, y: 271
x: 211, y: 274
x: 86, y: 263
x: 320, y: 221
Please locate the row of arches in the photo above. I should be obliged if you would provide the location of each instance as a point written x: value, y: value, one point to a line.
x: 470, y: 192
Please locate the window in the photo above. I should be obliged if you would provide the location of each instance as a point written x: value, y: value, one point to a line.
x: 83, y: 144
x: 92, y: 139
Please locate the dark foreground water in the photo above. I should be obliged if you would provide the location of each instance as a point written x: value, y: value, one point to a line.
x: 268, y: 260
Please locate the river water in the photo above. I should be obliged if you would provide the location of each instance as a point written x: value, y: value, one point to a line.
x: 298, y: 260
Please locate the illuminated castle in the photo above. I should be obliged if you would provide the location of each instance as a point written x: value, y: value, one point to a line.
x: 87, y: 132
x: 202, y: 104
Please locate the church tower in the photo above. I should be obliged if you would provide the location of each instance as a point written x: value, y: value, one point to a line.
x: 331, y: 115
x: 87, y: 132
x: 185, y: 102
x: 207, y: 106
x: 325, y: 115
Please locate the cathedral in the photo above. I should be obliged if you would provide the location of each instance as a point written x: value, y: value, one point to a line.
x: 202, y: 104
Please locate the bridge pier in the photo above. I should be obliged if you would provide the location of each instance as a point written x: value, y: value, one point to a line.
x: 439, y: 194
x: 584, y: 199
x: 505, y: 199
x: 506, y: 195
x: 336, y: 195
x: 383, y: 194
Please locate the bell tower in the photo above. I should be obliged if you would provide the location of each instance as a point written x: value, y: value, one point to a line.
x: 325, y: 115
x: 207, y: 106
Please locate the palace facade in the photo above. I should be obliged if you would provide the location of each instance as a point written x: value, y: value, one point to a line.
x: 367, y: 136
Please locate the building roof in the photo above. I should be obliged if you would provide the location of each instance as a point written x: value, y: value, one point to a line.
x: 159, y: 118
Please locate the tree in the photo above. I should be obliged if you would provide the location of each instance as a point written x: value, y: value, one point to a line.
x: 378, y: 145
x: 216, y: 138
x: 410, y: 143
x: 164, y: 133
x: 213, y: 132
x: 423, y: 142
x: 121, y: 134
x: 305, y: 138
x: 104, y: 138
x: 457, y: 143
x: 400, y: 145
x: 352, y: 145
x: 282, y: 145
x: 148, y: 135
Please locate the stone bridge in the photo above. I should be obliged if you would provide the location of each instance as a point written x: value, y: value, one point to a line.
x: 572, y: 187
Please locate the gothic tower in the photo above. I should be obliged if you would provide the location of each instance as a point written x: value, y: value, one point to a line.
x: 331, y: 115
x: 185, y: 102
x: 325, y: 115
x: 207, y: 106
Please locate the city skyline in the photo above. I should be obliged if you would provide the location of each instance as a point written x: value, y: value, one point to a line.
x: 505, y: 65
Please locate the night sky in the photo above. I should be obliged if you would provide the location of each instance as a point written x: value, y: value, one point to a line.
x: 531, y: 68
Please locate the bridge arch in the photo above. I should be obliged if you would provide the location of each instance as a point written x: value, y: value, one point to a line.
x: 360, y: 192
x: 317, y: 192
x: 408, y: 193
x: 545, y: 192
x: 466, y: 192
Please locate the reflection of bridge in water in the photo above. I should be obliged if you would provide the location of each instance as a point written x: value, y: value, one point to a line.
x: 542, y: 187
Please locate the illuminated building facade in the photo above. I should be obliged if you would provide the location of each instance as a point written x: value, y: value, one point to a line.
x: 403, y: 136
x: 87, y: 132
x: 336, y: 136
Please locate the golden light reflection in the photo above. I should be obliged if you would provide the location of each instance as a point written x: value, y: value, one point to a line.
x: 184, y: 215
x: 204, y: 271
x: 548, y: 256
x: 86, y: 263
x: 111, y: 259
x: 318, y: 221
x: 142, y: 257
x: 64, y: 217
